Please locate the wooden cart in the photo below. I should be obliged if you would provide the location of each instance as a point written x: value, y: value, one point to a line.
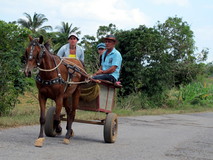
x: 100, y: 97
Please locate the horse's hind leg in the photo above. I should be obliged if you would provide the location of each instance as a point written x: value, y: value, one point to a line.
x: 68, y: 108
x: 59, y: 104
x: 71, y: 111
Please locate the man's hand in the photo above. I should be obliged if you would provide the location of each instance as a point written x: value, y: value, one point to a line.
x: 100, y: 71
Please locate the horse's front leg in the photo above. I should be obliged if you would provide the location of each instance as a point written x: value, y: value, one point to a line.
x: 71, y: 111
x: 42, y: 103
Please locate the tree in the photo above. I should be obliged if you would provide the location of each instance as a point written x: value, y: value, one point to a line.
x: 157, y: 59
x: 65, y: 28
x: 180, y: 50
x: 142, y: 69
x: 179, y: 39
x: 12, y: 80
x: 105, y: 30
x: 34, y: 23
x: 91, y: 56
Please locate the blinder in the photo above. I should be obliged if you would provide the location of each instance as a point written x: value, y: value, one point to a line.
x: 41, y: 54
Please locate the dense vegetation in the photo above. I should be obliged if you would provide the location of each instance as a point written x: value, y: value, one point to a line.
x: 157, y: 62
x: 12, y: 82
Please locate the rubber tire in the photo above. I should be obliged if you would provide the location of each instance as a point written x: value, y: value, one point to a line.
x: 110, y: 128
x: 49, y: 128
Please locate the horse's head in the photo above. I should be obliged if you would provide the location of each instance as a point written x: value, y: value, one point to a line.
x: 33, y: 54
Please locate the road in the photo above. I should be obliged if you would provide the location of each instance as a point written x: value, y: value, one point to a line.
x: 161, y: 137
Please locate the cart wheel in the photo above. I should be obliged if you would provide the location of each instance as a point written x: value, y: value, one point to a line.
x: 49, y: 127
x: 110, y: 128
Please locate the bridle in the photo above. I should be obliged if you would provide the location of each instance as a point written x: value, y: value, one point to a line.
x: 41, y: 54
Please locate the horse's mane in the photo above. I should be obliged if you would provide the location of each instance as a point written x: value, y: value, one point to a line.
x: 47, y: 45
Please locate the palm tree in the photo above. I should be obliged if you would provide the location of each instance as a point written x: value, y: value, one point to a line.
x: 35, y: 23
x: 66, y: 29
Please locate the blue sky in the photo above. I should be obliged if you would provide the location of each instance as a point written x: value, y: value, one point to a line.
x: 125, y: 14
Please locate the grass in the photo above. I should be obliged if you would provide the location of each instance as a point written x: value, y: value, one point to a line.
x: 27, y: 111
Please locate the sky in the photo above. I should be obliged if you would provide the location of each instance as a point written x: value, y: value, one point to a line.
x: 88, y: 15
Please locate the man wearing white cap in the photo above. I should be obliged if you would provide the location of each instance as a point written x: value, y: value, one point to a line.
x: 71, y: 49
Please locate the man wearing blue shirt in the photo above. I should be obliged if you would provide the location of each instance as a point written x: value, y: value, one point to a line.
x: 110, y: 63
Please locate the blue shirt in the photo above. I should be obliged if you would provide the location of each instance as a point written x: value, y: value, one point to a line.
x: 112, y: 59
x: 64, y: 51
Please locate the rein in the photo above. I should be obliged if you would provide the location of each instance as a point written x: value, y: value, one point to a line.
x: 49, y: 70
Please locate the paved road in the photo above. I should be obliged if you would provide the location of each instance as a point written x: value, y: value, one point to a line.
x: 164, y: 137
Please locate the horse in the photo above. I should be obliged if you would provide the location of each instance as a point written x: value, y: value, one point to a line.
x: 58, y: 79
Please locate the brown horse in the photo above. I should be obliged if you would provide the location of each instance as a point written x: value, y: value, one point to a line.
x: 58, y: 80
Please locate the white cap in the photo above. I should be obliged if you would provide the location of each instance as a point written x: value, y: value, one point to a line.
x: 73, y: 34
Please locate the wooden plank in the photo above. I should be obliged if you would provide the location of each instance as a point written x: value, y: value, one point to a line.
x: 100, y: 122
x: 90, y: 122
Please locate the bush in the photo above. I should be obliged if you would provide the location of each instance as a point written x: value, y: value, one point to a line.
x: 142, y: 101
x: 196, y: 93
x: 12, y: 81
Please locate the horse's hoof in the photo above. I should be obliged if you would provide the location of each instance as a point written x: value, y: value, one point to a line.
x: 39, y: 142
x: 66, y: 141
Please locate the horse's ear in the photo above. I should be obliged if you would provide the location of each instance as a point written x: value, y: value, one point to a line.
x: 47, y: 45
x: 30, y: 37
x: 41, y: 39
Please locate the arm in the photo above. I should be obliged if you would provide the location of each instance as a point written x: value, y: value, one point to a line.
x: 98, y: 72
x: 108, y: 71
x: 80, y: 53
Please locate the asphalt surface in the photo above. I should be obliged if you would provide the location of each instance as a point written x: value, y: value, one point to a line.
x: 162, y: 137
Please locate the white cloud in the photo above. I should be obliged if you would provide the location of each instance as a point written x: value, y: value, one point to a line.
x: 88, y: 15
x: 96, y: 12
x: 175, y: 2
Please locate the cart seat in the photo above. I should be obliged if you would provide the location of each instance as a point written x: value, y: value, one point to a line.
x: 100, y: 98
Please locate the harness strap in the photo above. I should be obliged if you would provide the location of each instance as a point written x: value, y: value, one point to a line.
x: 57, y: 80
